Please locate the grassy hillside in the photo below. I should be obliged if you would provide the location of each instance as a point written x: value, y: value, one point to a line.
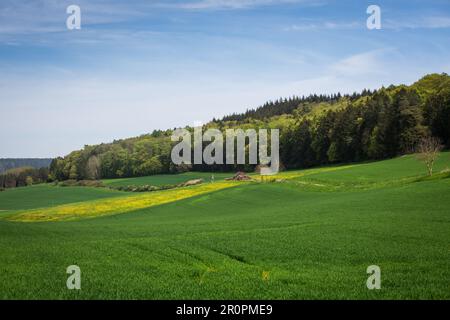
x: 289, y: 239
x: 376, y: 174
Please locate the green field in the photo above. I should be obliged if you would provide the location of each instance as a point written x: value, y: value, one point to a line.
x: 309, y: 234
x: 47, y: 196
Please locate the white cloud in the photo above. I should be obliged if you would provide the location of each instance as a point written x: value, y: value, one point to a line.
x: 437, y: 22
x: 354, y: 73
x: 367, y: 63
x: 228, y: 4
x: 323, y: 25
x: 430, y: 22
x: 47, y: 16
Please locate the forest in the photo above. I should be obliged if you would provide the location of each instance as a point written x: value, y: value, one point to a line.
x: 314, y: 130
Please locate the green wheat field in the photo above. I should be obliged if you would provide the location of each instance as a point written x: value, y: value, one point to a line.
x: 307, y: 234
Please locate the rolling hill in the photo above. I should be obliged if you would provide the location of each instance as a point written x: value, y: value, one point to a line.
x: 305, y: 234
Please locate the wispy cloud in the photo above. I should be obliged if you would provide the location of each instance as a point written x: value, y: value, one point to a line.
x: 429, y: 22
x: 367, y: 63
x: 351, y: 73
x: 47, y: 16
x: 229, y: 4
x: 323, y: 25
x: 437, y: 22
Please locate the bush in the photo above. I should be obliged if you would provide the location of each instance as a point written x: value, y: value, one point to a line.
x: 91, y: 183
x: 81, y: 183
x: 67, y: 183
x: 143, y: 188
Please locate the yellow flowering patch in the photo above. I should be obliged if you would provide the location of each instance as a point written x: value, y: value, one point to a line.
x: 124, y: 204
x: 286, y: 175
x: 265, y: 275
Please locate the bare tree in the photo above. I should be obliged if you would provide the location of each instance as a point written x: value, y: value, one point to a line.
x: 93, y: 168
x: 428, y: 151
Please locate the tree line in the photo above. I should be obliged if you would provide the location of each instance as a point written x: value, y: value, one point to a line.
x: 288, y: 105
x: 24, y: 176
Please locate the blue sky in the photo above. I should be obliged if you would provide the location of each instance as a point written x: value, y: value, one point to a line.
x: 141, y: 65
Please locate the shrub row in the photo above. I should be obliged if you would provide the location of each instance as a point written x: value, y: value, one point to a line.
x: 81, y: 183
x: 144, y: 188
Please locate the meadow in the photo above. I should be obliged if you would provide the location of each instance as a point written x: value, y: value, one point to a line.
x: 304, y: 234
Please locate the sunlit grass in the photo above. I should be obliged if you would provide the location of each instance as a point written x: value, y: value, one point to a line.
x: 293, y: 174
